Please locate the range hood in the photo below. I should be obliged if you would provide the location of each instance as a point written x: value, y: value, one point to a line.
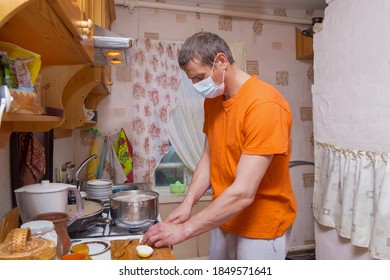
x: 111, y: 48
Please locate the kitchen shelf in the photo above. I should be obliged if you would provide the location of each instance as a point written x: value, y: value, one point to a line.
x: 16, y: 122
x: 89, y: 124
x: 52, y: 29
x: 304, y: 46
x: 77, y: 89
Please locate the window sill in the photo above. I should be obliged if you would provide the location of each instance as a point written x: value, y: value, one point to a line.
x: 177, y: 198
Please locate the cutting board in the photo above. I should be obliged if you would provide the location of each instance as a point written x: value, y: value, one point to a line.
x: 131, y: 253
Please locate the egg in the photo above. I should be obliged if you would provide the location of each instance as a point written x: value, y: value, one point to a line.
x: 144, y: 251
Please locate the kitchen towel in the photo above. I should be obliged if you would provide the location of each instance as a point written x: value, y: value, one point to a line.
x: 34, y: 163
x: 99, y: 171
x: 112, y: 169
x: 124, y: 151
x: 93, y: 163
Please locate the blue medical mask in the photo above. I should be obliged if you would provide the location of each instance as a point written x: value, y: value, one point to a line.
x: 207, y: 88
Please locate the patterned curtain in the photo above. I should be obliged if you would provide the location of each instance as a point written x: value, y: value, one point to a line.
x: 155, y: 89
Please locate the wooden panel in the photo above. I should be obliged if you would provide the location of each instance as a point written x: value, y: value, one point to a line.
x: 304, y: 46
x: 104, y: 13
x: 9, y: 222
x: 9, y: 8
x: 197, y: 247
x: 130, y: 252
x: 36, y: 27
x: 73, y: 18
x: 74, y: 95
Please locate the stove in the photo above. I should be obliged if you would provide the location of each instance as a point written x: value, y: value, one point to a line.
x: 100, y: 230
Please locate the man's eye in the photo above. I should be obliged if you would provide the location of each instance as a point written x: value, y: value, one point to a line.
x: 197, y: 79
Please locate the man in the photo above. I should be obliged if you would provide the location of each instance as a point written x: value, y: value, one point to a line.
x: 245, y: 159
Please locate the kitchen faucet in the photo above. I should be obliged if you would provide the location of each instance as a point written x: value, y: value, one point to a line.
x: 79, y: 182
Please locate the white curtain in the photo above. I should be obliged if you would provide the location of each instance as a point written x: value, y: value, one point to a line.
x: 352, y: 195
x: 186, y: 120
x: 186, y: 124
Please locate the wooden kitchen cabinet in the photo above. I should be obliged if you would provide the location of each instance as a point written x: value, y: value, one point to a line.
x: 54, y: 29
x: 86, y: 83
x: 42, y: 26
x: 304, y: 46
x: 102, y: 89
x: 194, y: 248
x: 76, y: 83
x: 101, y: 12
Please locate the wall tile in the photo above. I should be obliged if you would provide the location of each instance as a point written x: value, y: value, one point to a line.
x: 282, y: 78
x: 152, y: 35
x: 280, y: 12
x: 257, y: 26
x: 306, y: 113
x: 310, y: 74
x: 277, y: 46
x: 225, y: 23
x: 181, y: 18
x: 252, y: 67
x: 308, y: 179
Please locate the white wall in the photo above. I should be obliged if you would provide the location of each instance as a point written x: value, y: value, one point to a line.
x: 351, y: 91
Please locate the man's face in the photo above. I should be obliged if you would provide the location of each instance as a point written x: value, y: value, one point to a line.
x: 197, y: 72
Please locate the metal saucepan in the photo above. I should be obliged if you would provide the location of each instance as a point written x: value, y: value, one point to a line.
x: 135, y: 208
x: 90, y: 217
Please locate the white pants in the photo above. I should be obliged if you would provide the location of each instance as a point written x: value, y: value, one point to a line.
x: 228, y: 246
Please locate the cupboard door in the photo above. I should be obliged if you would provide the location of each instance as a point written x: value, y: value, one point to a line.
x: 103, y: 13
x: 80, y: 27
x: 304, y: 46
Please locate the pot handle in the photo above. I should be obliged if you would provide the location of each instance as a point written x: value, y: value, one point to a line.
x: 79, y: 205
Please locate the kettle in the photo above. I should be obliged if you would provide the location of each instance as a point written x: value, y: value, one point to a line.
x: 45, y: 197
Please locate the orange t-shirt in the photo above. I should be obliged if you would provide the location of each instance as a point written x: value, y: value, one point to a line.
x: 256, y: 121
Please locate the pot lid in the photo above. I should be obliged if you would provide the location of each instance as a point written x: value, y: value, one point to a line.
x: 90, y: 208
x: 44, y: 187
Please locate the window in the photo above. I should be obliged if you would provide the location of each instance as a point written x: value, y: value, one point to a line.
x: 170, y: 170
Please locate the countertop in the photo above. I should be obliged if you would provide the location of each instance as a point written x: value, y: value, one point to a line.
x: 130, y: 254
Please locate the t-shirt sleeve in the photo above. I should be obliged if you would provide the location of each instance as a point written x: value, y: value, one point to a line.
x: 267, y: 129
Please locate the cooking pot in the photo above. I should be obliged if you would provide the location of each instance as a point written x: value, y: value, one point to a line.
x: 90, y: 217
x: 134, y: 208
x: 36, y: 199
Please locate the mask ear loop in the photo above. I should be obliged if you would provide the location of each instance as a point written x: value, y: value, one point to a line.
x: 212, y: 68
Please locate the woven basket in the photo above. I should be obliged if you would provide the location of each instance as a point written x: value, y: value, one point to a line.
x: 20, y: 245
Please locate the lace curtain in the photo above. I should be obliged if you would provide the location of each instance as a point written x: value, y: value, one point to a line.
x: 352, y: 195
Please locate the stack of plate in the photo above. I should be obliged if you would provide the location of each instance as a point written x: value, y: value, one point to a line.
x: 99, y: 189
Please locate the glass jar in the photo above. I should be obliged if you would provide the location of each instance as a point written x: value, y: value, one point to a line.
x: 60, y: 221
x: 45, y: 229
